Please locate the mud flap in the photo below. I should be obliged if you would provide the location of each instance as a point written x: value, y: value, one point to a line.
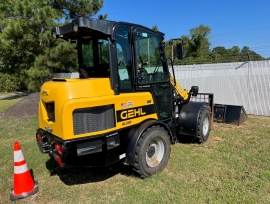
x: 229, y: 114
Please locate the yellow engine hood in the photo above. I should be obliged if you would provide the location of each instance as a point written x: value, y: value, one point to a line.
x: 60, y: 91
x: 65, y: 89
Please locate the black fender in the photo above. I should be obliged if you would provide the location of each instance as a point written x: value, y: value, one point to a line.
x: 188, y: 118
x: 135, y: 134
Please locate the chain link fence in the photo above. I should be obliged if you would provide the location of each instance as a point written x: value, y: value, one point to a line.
x: 239, y: 83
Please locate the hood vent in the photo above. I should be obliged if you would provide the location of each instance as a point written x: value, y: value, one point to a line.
x: 94, y: 119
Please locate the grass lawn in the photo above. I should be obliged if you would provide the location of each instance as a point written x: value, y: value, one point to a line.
x: 3, y: 93
x: 6, y: 103
x: 233, y: 166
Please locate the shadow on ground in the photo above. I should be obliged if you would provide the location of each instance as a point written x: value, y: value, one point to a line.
x: 82, y: 175
x: 187, y: 139
x: 12, y: 97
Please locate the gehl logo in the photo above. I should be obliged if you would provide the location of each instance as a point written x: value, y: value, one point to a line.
x: 127, y: 114
x: 45, y: 92
x: 132, y: 113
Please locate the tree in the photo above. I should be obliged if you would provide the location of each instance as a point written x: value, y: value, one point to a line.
x: 103, y: 17
x: 220, y: 50
x: 198, y: 42
x: 248, y: 54
x: 196, y: 45
x: 26, y: 46
x: 72, y: 9
x: 155, y: 27
x: 234, y: 54
x: 197, y: 49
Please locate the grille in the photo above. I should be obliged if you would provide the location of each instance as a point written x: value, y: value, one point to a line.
x: 93, y: 119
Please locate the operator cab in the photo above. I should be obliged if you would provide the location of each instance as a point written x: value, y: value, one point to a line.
x: 142, y: 65
x: 132, y: 56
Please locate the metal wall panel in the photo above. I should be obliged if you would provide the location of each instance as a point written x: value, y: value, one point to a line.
x: 239, y: 83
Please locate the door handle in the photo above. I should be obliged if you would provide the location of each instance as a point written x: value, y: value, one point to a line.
x: 164, y: 86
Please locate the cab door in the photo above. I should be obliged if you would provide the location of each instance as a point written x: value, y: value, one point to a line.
x: 151, y: 70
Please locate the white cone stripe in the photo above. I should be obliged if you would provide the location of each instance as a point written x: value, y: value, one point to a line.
x: 18, y: 156
x: 20, y: 169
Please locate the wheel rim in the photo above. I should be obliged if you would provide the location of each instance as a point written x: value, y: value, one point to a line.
x: 205, y: 126
x: 155, y: 152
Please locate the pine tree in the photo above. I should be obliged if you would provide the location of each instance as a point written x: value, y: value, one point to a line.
x: 26, y: 46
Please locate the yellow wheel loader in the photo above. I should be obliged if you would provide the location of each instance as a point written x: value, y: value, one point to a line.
x: 125, y: 106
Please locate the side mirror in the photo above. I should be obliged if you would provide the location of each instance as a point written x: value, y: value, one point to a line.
x: 180, y: 51
x: 194, y: 90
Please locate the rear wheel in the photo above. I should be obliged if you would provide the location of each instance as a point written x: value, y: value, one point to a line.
x: 152, y: 151
x: 204, y: 125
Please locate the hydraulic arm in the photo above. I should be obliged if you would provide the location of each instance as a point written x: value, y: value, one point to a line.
x: 181, y: 92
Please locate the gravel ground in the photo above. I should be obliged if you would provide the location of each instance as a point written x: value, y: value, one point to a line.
x: 24, y: 108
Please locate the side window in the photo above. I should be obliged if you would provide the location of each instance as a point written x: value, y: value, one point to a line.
x: 95, y: 57
x: 87, y: 54
x: 122, y: 68
x: 150, y: 67
x: 103, y: 51
x: 95, y: 52
x: 124, y: 58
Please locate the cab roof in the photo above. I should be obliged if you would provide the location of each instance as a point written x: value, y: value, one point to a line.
x: 87, y: 25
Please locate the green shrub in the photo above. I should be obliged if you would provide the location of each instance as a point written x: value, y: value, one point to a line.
x: 12, y: 83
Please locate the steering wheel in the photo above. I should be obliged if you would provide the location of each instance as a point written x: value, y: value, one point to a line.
x: 121, y: 63
x: 142, y: 73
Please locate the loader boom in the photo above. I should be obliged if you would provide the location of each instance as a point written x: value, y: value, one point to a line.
x: 181, y: 92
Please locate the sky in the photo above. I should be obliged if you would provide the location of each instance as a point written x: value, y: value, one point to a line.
x: 232, y: 22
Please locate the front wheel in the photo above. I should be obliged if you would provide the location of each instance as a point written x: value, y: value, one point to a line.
x: 204, y: 125
x: 152, y: 151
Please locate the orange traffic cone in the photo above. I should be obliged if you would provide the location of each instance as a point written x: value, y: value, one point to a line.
x: 23, y: 181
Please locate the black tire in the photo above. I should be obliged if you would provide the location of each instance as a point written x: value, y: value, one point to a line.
x: 204, y: 123
x: 152, y: 151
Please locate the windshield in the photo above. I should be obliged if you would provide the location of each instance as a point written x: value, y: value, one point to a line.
x: 94, y: 57
x: 151, y: 66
